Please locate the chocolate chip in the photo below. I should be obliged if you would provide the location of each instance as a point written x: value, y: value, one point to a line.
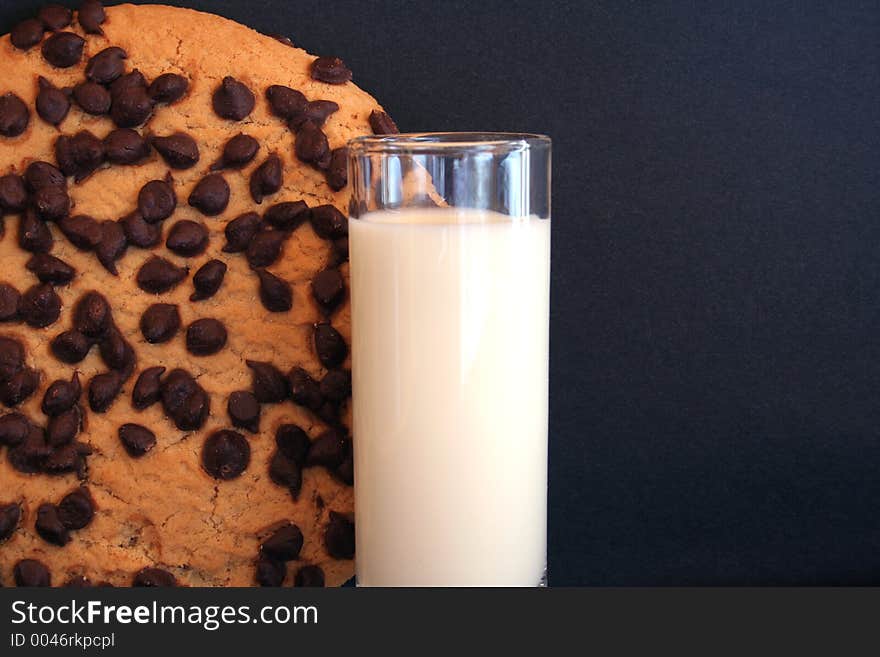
x: 304, y: 390
x: 187, y: 238
x: 339, y: 537
x: 345, y: 471
x: 270, y: 572
x: 146, y: 390
x: 26, y: 34
x: 83, y: 231
x: 205, y: 337
x: 13, y: 194
x: 232, y: 100
x: 92, y: 98
x: 130, y: 107
x: 160, y: 322
x: 50, y: 203
x: 316, y: 111
x: 210, y: 196
x: 140, y: 233
x: 112, y: 245
x: 309, y: 576
x: 9, y: 300
x: 285, y: 102
x: 156, y: 200
x: 107, y: 65
x: 30, y: 572
x: 49, y: 525
x: 80, y: 154
x: 320, y: 110
x: 331, y: 70
x: 382, y: 124
x: 125, y: 146
x: 10, y: 514
x: 154, y: 577
x: 240, y: 231
x: 90, y: 16
x: 293, y: 442
x: 267, y: 382
x: 52, y: 103
x: 328, y: 222
x: 339, y: 252
x: 40, y: 306
x: 286, y: 472
x: 284, y: 544
x: 328, y: 289
x: 237, y: 152
x: 14, y: 115
x: 280, y: 38
x: 336, y: 385
x: 103, y: 389
x: 14, y: 429
x: 68, y: 458
x: 136, y: 440
x: 337, y: 172
x: 208, y: 279
x: 168, y: 88
x: 70, y: 346
x: 76, y: 509
x: 177, y: 387
x: 267, y: 178
x: 19, y: 386
x: 39, y: 174
x: 157, y: 275
x: 179, y: 150
x: 194, y: 412
x: 11, y: 357
x: 225, y: 454
x: 275, y: 293
x: 265, y: 248
x: 329, y: 413
x: 117, y: 353
x: 329, y: 345
x: 62, y: 428
x: 63, y: 49
x: 33, y: 233
x: 132, y: 80
x: 288, y: 215
x: 55, y: 17
x: 50, y: 269
x: 329, y: 449
x: 311, y: 145
x: 184, y: 400
x: 61, y: 395
x: 244, y: 410
x: 91, y: 315
x: 30, y: 455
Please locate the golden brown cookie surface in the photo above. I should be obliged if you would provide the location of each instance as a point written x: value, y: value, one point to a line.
x: 163, y: 509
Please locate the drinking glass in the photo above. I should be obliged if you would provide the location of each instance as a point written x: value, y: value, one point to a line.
x: 450, y: 260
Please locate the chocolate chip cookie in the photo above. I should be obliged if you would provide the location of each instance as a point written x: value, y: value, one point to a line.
x: 174, y: 318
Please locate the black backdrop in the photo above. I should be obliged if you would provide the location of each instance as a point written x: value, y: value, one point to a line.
x: 715, y: 407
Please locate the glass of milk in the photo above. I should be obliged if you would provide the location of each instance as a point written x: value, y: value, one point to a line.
x: 450, y: 261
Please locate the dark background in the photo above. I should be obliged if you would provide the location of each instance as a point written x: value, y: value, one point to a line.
x: 715, y: 376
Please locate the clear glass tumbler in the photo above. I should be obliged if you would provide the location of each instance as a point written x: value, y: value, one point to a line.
x: 450, y: 262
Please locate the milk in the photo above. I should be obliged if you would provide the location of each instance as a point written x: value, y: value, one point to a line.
x: 450, y: 353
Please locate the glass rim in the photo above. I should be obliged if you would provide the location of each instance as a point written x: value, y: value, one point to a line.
x: 448, y: 143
